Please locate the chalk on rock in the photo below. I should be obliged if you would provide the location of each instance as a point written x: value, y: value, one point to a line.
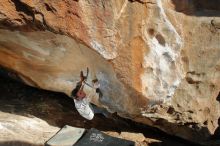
x: 67, y: 136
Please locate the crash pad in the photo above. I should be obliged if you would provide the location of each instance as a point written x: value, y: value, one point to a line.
x: 95, y: 137
x: 67, y: 136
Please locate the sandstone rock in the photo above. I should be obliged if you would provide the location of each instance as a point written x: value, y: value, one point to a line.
x: 25, y: 129
x: 157, y: 61
x: 139, y: 137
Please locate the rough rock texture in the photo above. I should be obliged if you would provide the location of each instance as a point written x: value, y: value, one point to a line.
x: 158, y: 61
x: 29, y: 130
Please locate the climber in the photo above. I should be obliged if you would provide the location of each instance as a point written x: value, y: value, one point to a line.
x: 78, y: 92
x: 96, y: 86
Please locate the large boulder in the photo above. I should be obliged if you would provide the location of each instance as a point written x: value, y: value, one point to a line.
x: 158, y: 62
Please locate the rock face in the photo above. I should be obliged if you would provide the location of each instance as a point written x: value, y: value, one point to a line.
x: 158, y: 61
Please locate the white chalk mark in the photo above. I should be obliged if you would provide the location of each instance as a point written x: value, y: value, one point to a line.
x: 118, y: 14
x: 163, y: 69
